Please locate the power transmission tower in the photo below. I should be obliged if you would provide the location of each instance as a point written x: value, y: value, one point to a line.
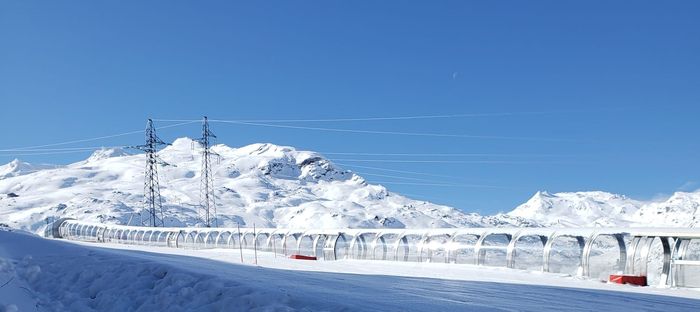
x: 151, y: 188
x: 207, y: 201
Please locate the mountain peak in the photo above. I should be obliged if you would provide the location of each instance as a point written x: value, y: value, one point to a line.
x: 105, y: 153
x: 17, y: 167
x: 266, y: 184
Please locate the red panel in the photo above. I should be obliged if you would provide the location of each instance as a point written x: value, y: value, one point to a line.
x: 300, y: 257
x: 629, y: 279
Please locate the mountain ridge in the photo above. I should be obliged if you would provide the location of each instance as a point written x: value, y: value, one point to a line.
x: 279, y: 186
x: 263, y: 184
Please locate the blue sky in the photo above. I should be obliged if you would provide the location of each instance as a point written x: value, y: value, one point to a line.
x: 596, y: 95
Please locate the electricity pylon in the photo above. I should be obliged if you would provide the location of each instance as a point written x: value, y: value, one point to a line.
x: 153, y: 203
x: 207, y: 203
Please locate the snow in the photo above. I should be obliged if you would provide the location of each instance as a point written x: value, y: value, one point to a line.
x: 17, y: 168
x: 262, y: 184
x: 53, y: 275
x: 278, y: 186
x: 602, y: 209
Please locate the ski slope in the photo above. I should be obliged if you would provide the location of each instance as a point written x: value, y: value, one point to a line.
x: 52, y: 275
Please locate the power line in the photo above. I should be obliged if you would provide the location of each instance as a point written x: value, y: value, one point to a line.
x: 422, y: 134
x: 427, y: 182
x: 441, y: 184
x: 57, y: 149
x: 95, y: 138
x: 391, y: 176
x: 39, y: 154
x: 399, y: 171
x: 451, y: 161
x: 413, y: 117
x: 443, y: 154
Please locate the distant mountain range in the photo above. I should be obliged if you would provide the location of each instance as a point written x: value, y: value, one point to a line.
x: 278, y: 186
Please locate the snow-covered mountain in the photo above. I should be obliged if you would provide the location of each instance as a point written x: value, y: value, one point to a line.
x: 606, y: 209
x: 278, y: 186
x: 262, y: 184
x: 18, y: 168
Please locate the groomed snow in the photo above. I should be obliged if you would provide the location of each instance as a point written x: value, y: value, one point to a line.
x: 54, y: 275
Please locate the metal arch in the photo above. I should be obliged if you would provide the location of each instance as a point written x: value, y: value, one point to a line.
x: 139, y: 238
x: 179, y: 234
x: 679, y: 252
x: 421, y: 245
x: 217, y: 240
x: 454, y: 240
x: 477, y: 247
x: 424, y: 246
x: 113, y: 235
x: 588, y: 248
x: 118, y: 235
x: 335, y: 244
x: 145, y: 240
x: 632, y: 254
x: 244, y: 240
x: 206, y: 238
x: 510, y: 250
x: 511, y: 253
x: 189, y: 234
x: 150, y: 237
x: 586, y: 254
x: 449, y: 247
x: 666, y: 243
x: 129, y: 236
x: 547, y: 252
x: 258, y: 235
x: 271, y: 240
x: 62, y: 230
x: 101, y: 233
x: 71, y: 230
x: 285, y: 246
x: 160, y: 234
x: 353, y: 242
x: 331, y: 246
x: 74, y: 232
x: 623, y: 250
x: 314, y: 244
x: 644, y: 254
x: 379, y: 237
x: 301, y: 239
x: 200, y: 243
x: 84, y: 231
x: 401, y: 240
x: 79, y: 231
x: 362, y: 247
x: 480, y: 254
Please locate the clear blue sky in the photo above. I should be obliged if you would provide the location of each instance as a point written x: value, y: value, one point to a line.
x: 617, y: 85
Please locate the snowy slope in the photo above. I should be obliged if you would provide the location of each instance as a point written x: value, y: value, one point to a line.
x: 18, y: 168
x: 606, y: 209
x: 53, y: 275
x: 262, y: 184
